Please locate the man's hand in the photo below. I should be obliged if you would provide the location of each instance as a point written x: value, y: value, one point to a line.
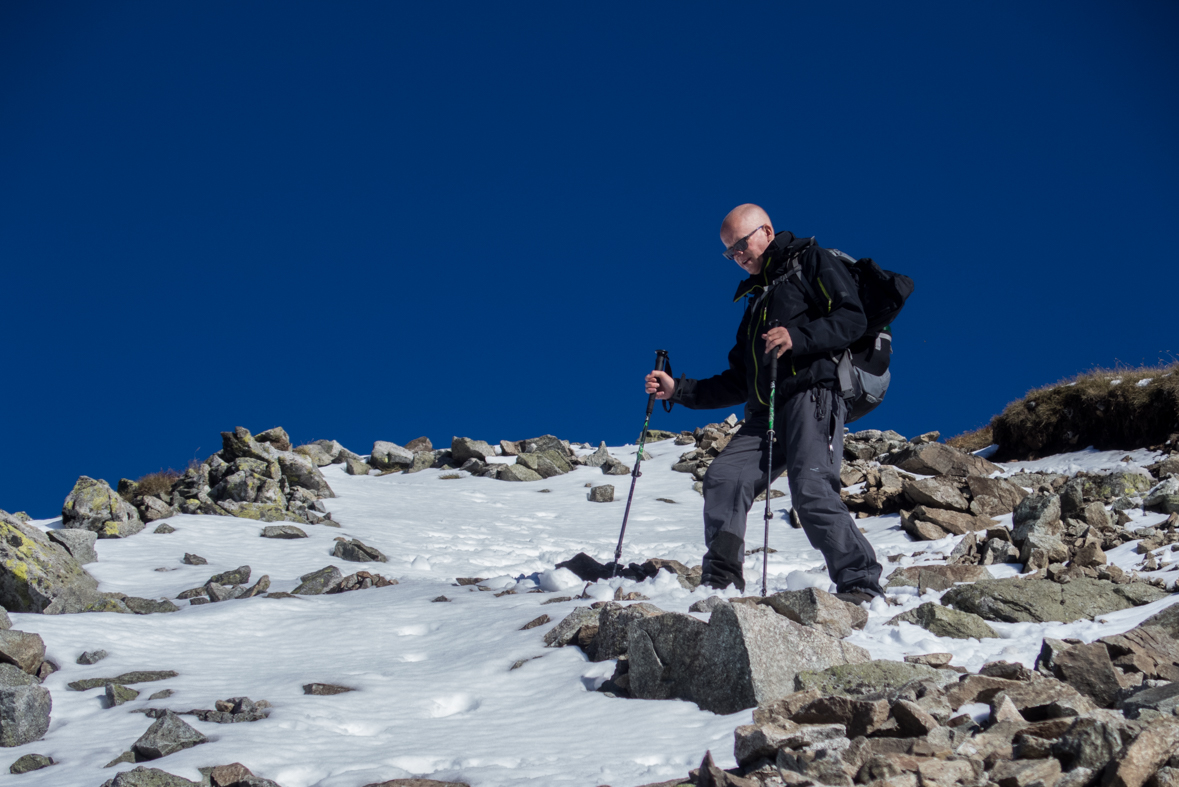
x: 778, y: 337
x: 660, y: 384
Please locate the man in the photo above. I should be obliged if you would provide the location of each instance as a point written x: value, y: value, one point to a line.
x: 810, y: 412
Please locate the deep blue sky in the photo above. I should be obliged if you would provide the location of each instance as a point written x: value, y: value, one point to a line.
x: 380, y: 220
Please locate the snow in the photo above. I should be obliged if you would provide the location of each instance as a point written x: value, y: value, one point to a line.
x: 1090, y: 460
x: 436, y: 694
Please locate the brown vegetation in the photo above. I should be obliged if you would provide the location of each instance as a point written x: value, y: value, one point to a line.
x: 1104, y: 408
x: 972, y: 441
x: 157, y: 484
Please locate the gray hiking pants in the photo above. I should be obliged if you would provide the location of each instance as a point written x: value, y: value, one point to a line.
x: 809, y: 449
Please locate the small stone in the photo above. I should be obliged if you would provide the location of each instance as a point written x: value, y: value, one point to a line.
x: 164, y: 528
x: 1005, y: 711
x: 30, y: 762
x: 149, y: 606
x: 92, y: 657
x: 439, y: 599
x: 194, y: 560
x: 238, y: 576
x: 162, y: 694
x: 543, y: 619
x: 935, y: 660
x: 117, y: 695
x: 325, y: 689
x: 601, y: 494
x: 23, y: 649
x: 283, y: 531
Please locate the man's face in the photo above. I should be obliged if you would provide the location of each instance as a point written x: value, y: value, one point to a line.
x: 751, y: 258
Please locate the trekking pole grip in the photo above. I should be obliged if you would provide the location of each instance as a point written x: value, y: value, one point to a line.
x: 660, y: 364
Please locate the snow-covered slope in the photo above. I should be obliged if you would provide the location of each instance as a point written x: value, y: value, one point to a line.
x: 435, y: 692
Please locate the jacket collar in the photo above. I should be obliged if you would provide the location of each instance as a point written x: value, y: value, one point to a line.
x: 781, y: 248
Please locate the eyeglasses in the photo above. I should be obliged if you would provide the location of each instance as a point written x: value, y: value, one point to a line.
x: 741, y: 245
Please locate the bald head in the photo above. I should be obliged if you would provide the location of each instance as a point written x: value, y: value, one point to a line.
x: 746, y: 233
x: 743, y: 219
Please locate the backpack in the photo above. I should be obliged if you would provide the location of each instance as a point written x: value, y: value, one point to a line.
x: 862, y: 368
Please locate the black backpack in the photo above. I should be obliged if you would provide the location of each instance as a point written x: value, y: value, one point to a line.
x: 862, y: 368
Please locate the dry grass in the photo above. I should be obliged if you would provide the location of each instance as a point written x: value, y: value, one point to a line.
x: 1106, y: 408
x: 157, y: 484
x: 450, y: 476
x: 972, y: 441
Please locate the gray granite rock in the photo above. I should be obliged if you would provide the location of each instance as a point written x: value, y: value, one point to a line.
x: 356, y: 467
x: 565, y: 632
x: 22, y: 649
x: 92, y: 505
x: 356, y: 551
x: 601, y: 494
x: 237, y: 576
x: 24, y: 708
x: 79, y: 543
x: 33, y: 570
x: 30, y: 763
x: 744, y: 656
x: 146, y: 777
x: 464, y: 448
x: 167, y: 735
x: 879, y: 678
x: 1015, y: 600
x: 283, y: 531
x: 92, y: 657
x: 516, y: 473
x: 318, y: 582
x: 946, y: 622
x: 614, y: 621
x: 1038, y: 514
x: 390, y: 456
x: 820, y: 609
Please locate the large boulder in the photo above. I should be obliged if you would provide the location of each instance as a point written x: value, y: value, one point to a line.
x: 939, y: 492
x: 33, y: 570
x: 464, y: 448
x: 744, y: 656
x: 1038, y: 514
x: 93, y: 505
x: 818, y: 608
x: 25, y: 706
x: 865, y: 678
x: 613, y: 638
x: 993, y: 496
x: 301, y: 471
x: 390, y: 456
x: 22, y: 649
x: 1015, y: 600
x: 940, y: 459
x: 167, y: 735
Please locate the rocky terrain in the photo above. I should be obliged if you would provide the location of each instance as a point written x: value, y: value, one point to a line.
x: 975, y: 553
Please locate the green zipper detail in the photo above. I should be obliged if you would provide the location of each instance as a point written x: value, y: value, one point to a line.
x: 826, y: 294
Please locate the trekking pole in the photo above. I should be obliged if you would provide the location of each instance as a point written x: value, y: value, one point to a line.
x: 765, y: 550
x: 660, y: 361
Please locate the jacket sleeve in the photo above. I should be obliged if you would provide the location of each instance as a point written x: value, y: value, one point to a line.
x: 844, y: 319
x: 722, y: 390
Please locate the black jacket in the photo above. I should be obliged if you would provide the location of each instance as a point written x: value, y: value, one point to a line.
x: 816, y: 330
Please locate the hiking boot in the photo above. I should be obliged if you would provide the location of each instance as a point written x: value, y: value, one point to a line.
x: 855, y: 596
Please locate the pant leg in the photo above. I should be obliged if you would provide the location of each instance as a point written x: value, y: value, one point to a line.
x: 733, y: 479
x: 811, y: 423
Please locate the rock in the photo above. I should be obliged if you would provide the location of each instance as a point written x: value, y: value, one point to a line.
x: 30, y: 762
x: 1089, y: 555
x: 117, y: 695
x: 921, y: 530
x: 1088, y: 744
x: 140, y: 676
x: 356, y: 467
x: 153, y: 509
x: 1141, y: 759
x: 945, y: 622
x: 707, y: 604
x: 598, y: 458
x: 22, y: 649
x: 92, y: 657
x: 84, y: 598
x: 936, y: 577
x: 1015, y: 600
x: 1088, y: 669
x: 1164, y: 699
x: 167, y: 735
x: 277, y: 437
x: 320, y: 453
x: 190, y: 559
x: 614, y: 620
x: 1037, y: 514
x: 745, y: 655
x: 1045, y: 699
x: 146, y: 777
x: 859, y: 717
x: 868, y: 678
x: 935, y: 660
x: 283, y: 531
x: 993, y: 496
x: 938, y: 492
x: 237, y: 576
x: 565, y: 632
x: 753, y: 742
x: 954, y: 522
x: 464, y: 448
x: 79, y: 543
x: 356, y: 551
x: 814, y: 607
x: 517, y: 473
x: 940, y: 459
x: 148, y: 606
x: 546, y: 464
x: 325, y: 689
x: 1040, y: 550
x: 390, y: 456
x: 912, y: 719
x: 25, y: 707
x: 1026, y: 773
x: 618, y: 467
x: 300, y: 471
x: 92, y: 505
x: 601, y: 494
x: 164, y: 528
x: 318, y: 582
